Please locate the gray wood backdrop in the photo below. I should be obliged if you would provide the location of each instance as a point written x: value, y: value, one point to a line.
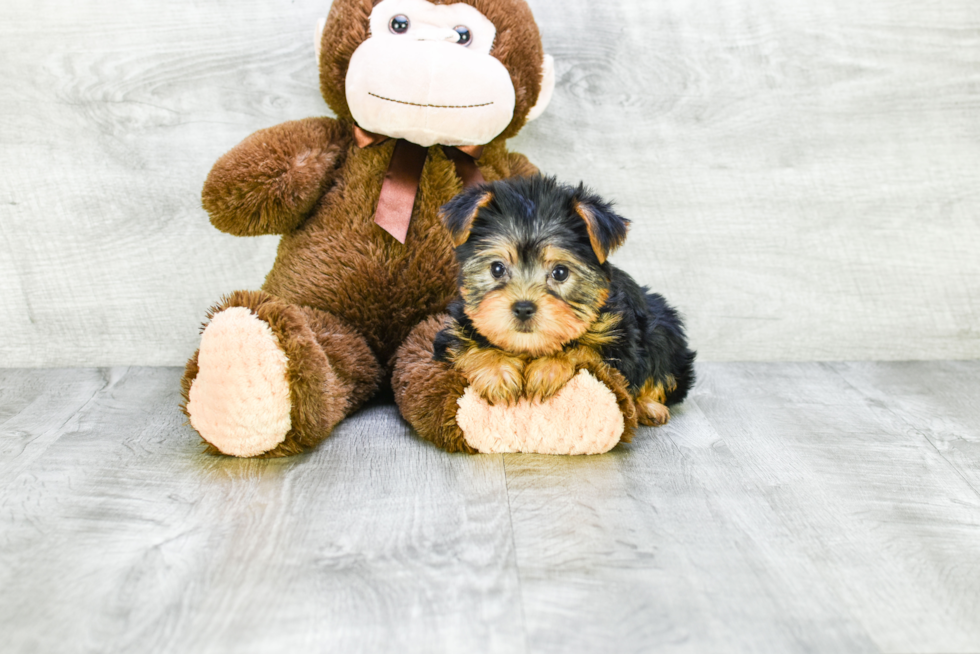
x: 803, y: 176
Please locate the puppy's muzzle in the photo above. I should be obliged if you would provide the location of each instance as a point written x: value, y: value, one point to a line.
x: 524, y: 310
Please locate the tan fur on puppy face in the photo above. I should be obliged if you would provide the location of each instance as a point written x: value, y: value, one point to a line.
x: 565, y: 310
x: 554, y: 324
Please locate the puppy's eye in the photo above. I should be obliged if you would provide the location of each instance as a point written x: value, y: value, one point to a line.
x: 398, y: 24
x: 497, y: 269
x: 559, y: 274
x: 464, y: 34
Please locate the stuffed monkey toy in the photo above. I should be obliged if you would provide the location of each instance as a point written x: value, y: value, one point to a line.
x: 425, y: 93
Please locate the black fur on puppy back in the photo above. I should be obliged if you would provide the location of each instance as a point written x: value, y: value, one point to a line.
x: 652, y: 344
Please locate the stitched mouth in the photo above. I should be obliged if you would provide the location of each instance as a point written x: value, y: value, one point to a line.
x: 433, y: 106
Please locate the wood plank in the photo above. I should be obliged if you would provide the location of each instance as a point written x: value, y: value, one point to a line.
x: 664, y: 546
x: 786, y: 507
x: 882, y: 520
x: 776, y: 512
x: 937, y: 400
x: 803, y: 177
x: 124, y: 537
x: 36, y: 408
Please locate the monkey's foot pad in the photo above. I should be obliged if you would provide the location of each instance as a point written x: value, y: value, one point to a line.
x: 582, y: 418
x: 239, y: 401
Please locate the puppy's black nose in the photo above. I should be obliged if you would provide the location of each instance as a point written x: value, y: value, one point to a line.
x: 524, y: 309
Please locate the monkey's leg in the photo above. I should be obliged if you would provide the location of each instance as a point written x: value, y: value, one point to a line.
x: 589, y: 415
x: 273, y: 378
x: 426, y: 390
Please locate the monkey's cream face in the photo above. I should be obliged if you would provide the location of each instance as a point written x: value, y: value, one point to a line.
x: 426, y: 75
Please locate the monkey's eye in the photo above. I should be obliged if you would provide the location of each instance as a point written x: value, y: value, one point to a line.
x: 465, y: 36
x: 398, y: 24
x: 497, y: 269
x: 559, y: 274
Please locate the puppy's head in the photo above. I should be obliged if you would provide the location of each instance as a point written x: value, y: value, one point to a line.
x: 532, y: 255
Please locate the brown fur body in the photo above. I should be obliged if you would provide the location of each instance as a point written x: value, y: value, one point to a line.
x: 343, y: 295
x: 341, y: 262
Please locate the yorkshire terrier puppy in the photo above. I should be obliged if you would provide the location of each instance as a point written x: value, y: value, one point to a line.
x: 538, y: 301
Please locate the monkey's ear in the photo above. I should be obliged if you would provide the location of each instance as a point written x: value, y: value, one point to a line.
x: 318, y: 38
x: 607, y: 229
x: 459, y: 213
x: 547, y: 88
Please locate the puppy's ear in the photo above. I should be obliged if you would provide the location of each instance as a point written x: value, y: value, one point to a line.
x: 459, y: 213
x: 607, y: 229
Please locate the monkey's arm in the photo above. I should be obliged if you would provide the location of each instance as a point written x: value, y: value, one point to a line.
x: 269, y: 183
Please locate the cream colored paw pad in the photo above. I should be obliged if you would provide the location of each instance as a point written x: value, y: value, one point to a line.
x: 239, y: 401
x: 582, y: 418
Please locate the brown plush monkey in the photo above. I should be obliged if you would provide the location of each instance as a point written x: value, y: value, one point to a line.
x: 419, y: 88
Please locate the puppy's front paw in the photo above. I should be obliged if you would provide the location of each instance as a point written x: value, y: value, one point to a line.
x: 546, y: 376
x: 502, y: 385
x: 495, y: 376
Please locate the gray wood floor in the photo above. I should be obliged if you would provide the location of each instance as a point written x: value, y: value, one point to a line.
x: 787, y: 508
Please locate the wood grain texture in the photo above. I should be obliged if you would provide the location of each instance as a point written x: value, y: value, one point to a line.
x: 804, y: 178
x: 123, y: 537
x: 940, y: 403
x: 885, y: 526
x: 777, y: 512
x: 786, y: 508
x: 36, y: 409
